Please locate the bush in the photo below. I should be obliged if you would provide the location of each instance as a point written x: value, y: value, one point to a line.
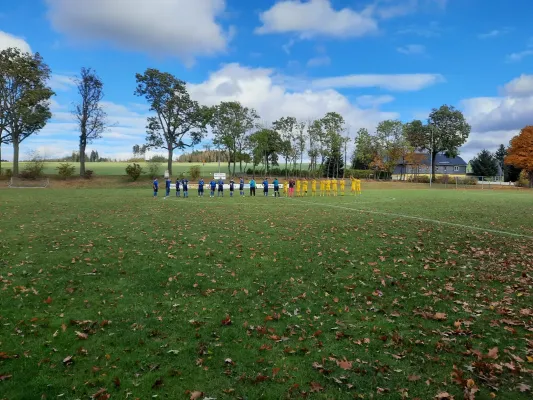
x: 65, y: 170
x: 445, y: 179
x: 88, y: 173
x: 523, y: 180
x: 9, y: 172
x: 468, y: 181
x: 418, y: 178
x: 194, y: 172
x: 158, y: 159
x: 154, y: 169
x: 33, y: 169
x: 134, y: 171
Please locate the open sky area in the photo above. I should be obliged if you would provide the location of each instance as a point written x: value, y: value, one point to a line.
x: 369, y: 60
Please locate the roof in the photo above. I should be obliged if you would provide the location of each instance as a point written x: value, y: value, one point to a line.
x: 441, y: 159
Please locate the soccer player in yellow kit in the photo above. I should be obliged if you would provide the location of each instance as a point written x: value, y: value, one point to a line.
x: 343, y: 187
x: 358, y: 186
x: 298, y: 188
x: 328, y: 187
x: 305, y: 187
x: 334, y: 189
x: 285, y: 187
x: 313, y: 187
x: 322, y: 187
x: 353, y: 185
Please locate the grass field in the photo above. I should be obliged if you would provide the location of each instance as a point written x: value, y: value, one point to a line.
x: 119, y: 168
x: 396, y: 294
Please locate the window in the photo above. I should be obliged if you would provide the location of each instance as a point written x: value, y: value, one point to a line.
x: 456, y: 168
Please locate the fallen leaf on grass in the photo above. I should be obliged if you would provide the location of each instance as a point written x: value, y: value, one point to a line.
x: 116, y: 382
x: 345, y: 364
x: 5, y: 377
x: 444, y: 396
x: 226, y: 321
x: 316, y: 387
x: 48, y: 300
x: 439, y: 316
x: 413, y: 378
x: 196, y: 395
x: 81, y: 335
x: 67, y: 360
x: 524, y: 388
x: 158, y: 383
x: 275, y: 372
x: 101, y: 395
x: 493, y: 353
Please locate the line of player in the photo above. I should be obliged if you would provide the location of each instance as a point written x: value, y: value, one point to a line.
x: 291, y: 187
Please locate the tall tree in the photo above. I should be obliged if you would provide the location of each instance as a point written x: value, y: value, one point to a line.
x: 364, y: 150
x: 91, y: 117
x: 484, y: 164
x: 24, y: 98
x: 230, y: 123
x: 266, y: 144
x: 300, y: 140
x: 334, y: 126
x: 446, y: 131
x: 500, y: 158
x: 177, y: 115
x: 286, y: 127
x: 520, y: 152
x: 315, y: 132
x: 391, y: 144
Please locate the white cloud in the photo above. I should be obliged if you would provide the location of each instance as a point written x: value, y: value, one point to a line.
x: 7, y: 40
x: 494, y: 33
x: 181, y: 28
x: 496, y: 120
x: 515, y: 57
x: 61, y: 82
x: 396, y: 82
x: 412, y: 49
x: 319, y: 61
x: 373, y: 101
x: 519, y: 87
x: 315, y: 18
x: 258, y: 88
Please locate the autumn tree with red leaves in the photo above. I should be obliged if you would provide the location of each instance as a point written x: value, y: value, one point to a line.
x: 520, y: 152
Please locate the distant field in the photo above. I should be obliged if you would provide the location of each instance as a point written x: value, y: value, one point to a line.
x: 396, y: 294
x: 118, y: 168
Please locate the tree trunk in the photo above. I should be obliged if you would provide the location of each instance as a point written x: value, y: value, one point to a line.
x: 15, y: 155
x: 82, y: 158
x: 169, y: 162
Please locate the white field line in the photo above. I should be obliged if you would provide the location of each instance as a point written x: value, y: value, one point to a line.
x: 475, y: 228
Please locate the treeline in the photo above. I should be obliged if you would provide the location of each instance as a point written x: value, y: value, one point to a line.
x: 178, y: 123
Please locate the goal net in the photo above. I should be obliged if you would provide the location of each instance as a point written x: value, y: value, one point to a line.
x: 18, y: 183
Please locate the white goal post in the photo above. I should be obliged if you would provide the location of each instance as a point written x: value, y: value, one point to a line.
x: 16, y: 183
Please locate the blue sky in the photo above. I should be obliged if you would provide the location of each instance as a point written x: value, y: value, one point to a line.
x: 369, y: 60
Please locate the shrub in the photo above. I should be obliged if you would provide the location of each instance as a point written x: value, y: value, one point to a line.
x: 33, y: 169
x: 88, y: 173
x: 418, y: 178
x: 134, y: 171
x: 9, y: 172
x: 65, y: 170
x: 443, y: 179
x: 159, y: 159
x: 469, y: 181
x: 194, y: 172
x: 154, y: 168
x: 523, y: 180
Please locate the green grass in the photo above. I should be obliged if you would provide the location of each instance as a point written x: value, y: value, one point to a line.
x: 119, y: 168
x: 339, y: 298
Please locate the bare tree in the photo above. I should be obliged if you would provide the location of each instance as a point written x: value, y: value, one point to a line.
x: 91, y: 117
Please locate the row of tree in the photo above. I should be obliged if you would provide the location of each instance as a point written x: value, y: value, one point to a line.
x: 179, y: 122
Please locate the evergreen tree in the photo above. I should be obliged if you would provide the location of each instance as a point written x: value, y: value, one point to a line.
x: 484, y: 164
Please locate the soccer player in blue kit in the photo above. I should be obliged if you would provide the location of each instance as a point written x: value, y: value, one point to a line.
x: 167, y: 187
x: 185, y: 184
x: 241, y: 186
x: 265, y: 187
x: 201, y: 184
x: 231, y: 187
x: 220, y: 188
x: 213, y: 186
x: 155, y: 186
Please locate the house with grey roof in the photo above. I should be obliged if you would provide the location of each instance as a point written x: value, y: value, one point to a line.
x: 443, y: 166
